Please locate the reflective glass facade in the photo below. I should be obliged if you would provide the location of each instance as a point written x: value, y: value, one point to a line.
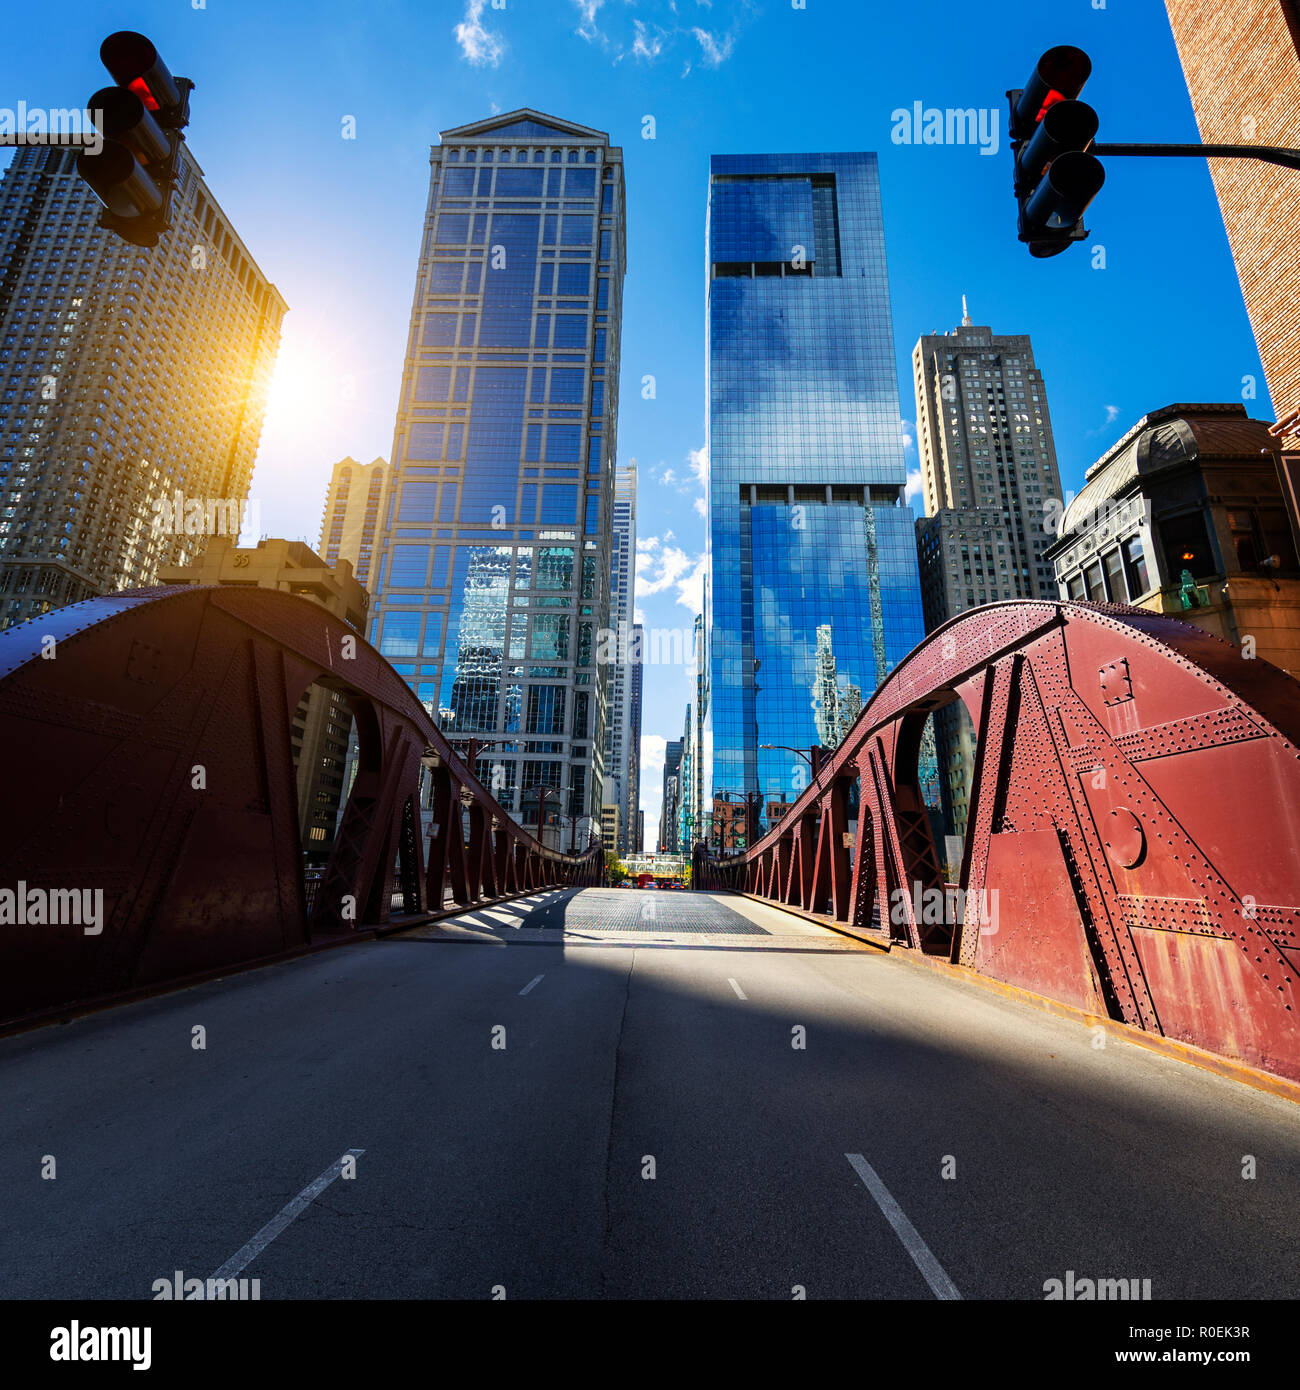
x: 812, y: 595
x: 492, y: 583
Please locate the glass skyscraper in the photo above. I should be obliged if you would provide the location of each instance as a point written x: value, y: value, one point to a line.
x: 812, y: 558
x: 492, y: 587
x: 132, y: 385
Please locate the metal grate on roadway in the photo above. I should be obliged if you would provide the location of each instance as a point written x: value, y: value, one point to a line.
x: 620, y: 910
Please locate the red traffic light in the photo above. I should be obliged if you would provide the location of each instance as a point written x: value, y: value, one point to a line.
x: 134, y: 63
x: 1059, y: 76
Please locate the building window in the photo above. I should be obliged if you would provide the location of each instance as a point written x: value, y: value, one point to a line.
x: 1135, y: 567
x: 1187, y: 547
x: 1115, y: 576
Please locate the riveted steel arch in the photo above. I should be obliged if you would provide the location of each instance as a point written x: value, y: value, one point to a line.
x: 148, y: 754
x: 1133, y: 842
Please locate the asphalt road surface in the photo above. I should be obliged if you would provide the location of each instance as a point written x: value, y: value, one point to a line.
x: 613, y: 1094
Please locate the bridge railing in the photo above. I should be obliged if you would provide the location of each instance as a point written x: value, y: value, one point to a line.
x: 1133, y: 834
x: 153, y: 795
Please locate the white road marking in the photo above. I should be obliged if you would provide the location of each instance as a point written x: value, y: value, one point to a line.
x: 531, y: 984
x: 740, y: 993
x: 931, y: 1270
x: 245, y: 1256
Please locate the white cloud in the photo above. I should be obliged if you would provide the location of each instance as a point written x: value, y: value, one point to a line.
x: 715, y: 51
x: 654, y: 749
x: 908, y: 432
x: 638, y: 615
x: 690, y: 589
x: 478, y: 44
x: 1112, y: 414
x: 587, y: 11
x: 914, y: 486
x: 668, y: 477
x: 645, y: 44
x: 658, y: 566
x: 700, y: 508
x: 699, y: 461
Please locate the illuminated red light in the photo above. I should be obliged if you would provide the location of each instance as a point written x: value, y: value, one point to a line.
x: 1051, y: 99
x: 141, y: 89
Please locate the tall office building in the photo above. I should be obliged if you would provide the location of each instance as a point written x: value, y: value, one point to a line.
x: 620, y: 751
x: 132, y: 386
x: 670, y: 810
x: 703, y: 809
x: 807, y: 527
x: 989, y: 478
x: 636, y: 684
x: 686, y: 808
x: 349, y: 529
x: 493, y: 583
x: 984, y: 437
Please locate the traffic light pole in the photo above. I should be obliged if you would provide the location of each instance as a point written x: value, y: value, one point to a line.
x: 1269, y: 154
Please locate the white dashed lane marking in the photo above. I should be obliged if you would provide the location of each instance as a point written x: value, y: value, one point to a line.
x: 246, y: 1254
x: 931, y: 1270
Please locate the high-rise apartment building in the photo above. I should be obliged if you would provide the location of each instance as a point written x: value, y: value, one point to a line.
x: 984, y: 437
x: 493, y: 585
x: 620, y: 655
x: 132, y: 386
x: 992, y: 495
x: 636, y: 684
x: 353, y: 508
x: 807, y: 521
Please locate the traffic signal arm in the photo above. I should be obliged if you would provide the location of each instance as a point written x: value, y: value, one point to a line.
x: 1269, y: 154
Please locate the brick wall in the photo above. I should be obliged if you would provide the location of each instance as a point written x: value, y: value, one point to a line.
x: 1240, y: 61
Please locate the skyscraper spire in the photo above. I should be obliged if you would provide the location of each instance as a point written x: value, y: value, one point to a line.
x: 965, y: 313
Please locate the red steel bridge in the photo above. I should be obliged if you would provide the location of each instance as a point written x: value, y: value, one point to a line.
x: 147, y: 753
x: 1134, y: 818
x: 1134, y: 824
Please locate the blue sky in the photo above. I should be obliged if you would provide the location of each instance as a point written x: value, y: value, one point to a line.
x: 336, y: 223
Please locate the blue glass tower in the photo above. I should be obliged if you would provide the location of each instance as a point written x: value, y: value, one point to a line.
x: 813, y: 594
x: 492, y: 578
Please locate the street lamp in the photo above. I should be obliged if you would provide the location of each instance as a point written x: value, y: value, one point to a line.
x: 541, y: 793
x: 475, y: 745
x: 562, y: 816
x: 815, y: 761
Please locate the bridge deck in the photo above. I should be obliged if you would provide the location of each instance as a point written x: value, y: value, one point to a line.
x: 527, y: 1165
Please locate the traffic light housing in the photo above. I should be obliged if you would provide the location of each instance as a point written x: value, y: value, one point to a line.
x: 1056, y: 177
x: 140, y: 120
